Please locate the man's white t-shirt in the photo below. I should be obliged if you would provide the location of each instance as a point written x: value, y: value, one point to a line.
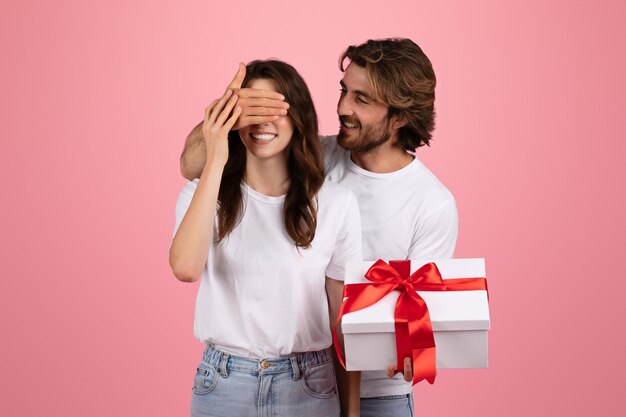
x: 259, y: 295
x: 406, y: 214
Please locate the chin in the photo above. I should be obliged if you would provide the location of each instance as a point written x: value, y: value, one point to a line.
x: 265, y: 154
x: 344, y: 142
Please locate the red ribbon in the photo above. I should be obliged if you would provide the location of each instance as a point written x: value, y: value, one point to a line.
x: 414, y: 332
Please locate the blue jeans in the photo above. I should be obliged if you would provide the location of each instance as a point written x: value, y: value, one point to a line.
x: 302, y: 384
x: 388, y: 406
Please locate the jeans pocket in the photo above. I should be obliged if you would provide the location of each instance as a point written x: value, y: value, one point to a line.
x: 205, y: 380
x: 319, y: 381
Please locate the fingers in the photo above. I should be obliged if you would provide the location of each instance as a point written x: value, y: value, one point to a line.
x: 216, y: 116
x: 217, y: 109
x: 263, y: 111
x: 256, y: 103
x: 239, y: 77
x: 258, y: 115
x: 258, y: 120
x: 208, y: 110
x: 408, y: 369
x: 272, y: 97
x: 233, y: 118
x: 226, y: 110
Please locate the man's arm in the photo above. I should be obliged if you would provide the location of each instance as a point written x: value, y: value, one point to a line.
x: 437, y: 234
x: 193, y: 158
x: 348, y: 383
x: 436, y: 239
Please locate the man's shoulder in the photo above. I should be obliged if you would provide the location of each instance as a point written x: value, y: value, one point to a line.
x: 428, y: 187
x: 329, y: 145
x: 333, y: 153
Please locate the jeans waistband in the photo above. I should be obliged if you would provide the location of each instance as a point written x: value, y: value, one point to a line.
x: 295, y: 363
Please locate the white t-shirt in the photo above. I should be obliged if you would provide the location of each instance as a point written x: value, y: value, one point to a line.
x: 406, y: 214
x: 259, y: 295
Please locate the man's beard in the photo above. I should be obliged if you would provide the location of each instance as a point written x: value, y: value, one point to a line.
x: 369, y: 138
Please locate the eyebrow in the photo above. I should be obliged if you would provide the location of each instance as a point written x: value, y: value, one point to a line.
x: 359, y: 92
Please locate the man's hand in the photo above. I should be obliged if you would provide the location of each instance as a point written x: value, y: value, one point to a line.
x: 408, y: 369
x: 257, y: 106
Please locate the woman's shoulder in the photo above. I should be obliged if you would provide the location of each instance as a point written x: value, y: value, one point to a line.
x: 187, y: 191
x: 339, y: 218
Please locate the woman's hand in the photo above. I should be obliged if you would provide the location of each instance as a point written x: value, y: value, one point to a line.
x: 219, y: 119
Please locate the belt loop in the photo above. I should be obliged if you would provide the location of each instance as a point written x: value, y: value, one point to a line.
x: 295, y: 369
x: 223, y: 363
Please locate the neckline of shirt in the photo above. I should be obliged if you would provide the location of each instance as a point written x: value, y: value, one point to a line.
x: 414, y: 164
x: 262, y: 197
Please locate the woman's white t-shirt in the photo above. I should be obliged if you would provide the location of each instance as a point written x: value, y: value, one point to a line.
x: 259, y: 295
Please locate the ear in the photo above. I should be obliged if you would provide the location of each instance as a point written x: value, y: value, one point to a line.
x: 398, y: 121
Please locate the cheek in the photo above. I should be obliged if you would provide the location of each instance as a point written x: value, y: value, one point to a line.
x: 285, y: 126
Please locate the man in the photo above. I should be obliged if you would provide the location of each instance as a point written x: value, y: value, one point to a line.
x: 386, y: 111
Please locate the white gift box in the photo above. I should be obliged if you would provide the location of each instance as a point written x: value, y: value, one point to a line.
x: 460, y: 321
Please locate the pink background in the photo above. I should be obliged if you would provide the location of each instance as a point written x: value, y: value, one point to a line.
x: 97, y: 98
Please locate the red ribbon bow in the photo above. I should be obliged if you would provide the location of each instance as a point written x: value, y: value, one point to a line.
x: 414, y: 332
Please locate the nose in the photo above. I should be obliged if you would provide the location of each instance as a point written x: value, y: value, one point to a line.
x: 260, y: 125
x: 343, y: 108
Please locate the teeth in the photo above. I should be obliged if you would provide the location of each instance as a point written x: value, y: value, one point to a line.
x: 263, y: 136
x: 349, y: 125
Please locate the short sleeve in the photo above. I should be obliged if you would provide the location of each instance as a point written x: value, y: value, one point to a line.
x: 332, y: 151
x: 436, y: 235
x: 348, y: 247
x: 183, y: 202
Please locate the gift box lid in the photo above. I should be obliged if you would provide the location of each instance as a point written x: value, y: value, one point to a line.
x: 449, y: 310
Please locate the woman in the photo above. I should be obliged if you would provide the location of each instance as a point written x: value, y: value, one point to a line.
x: 269, y: 240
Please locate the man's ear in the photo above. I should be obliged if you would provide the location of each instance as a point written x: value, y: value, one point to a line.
x: 398, y: 121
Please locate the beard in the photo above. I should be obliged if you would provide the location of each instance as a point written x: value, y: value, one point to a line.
x: 368, y: 138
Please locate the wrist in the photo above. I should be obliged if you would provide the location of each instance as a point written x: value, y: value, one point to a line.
x: 214, y: 166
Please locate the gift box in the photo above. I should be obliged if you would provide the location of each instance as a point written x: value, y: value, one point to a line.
x: 458, y: 313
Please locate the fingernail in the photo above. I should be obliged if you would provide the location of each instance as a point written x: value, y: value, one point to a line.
x: 286, y: 105
x: 283, y: 112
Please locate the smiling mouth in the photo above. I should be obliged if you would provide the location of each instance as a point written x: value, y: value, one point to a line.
x: 349, y: 125
x: 263, y: 137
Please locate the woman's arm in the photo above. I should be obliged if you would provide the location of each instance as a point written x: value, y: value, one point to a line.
x: 190, y: 247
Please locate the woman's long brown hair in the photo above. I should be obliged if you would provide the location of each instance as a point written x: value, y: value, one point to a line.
x: 305, y: 162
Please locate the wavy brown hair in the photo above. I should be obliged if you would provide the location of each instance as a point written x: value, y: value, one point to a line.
x: 305, y: 162
x: 403, y: 79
